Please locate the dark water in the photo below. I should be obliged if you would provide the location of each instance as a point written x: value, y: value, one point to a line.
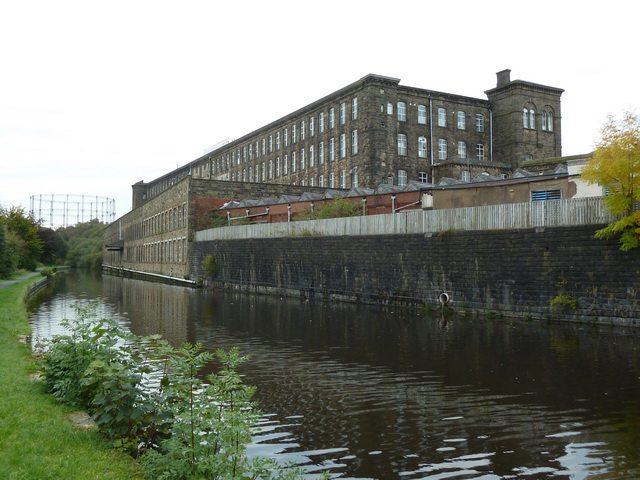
x: 387, y: 395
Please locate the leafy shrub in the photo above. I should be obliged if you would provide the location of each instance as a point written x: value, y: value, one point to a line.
x: 150, y: 399
x: 65, y: 360
x: 46, y: 272
x: 209, y: 266
x: 562, y: 302
x: 338, y: 208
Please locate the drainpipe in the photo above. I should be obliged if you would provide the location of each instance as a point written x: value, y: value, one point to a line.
x: 431, y: 136
x: 491, y: 134
x: 393, y: 204
x: 289, y: 213
x: 364, y: 206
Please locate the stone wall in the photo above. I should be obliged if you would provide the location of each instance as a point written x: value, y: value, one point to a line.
x: 511, y: 271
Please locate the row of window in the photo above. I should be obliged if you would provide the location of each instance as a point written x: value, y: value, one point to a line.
x: 529, y: 119
x: 172, y: 250
x: 292, y: 134
x: 460, y: 116
x: 170, y: 219
x: 443, y: 147
x: 306, y: 158
x: 341, y: 179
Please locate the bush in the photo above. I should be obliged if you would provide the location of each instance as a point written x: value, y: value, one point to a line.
x: 209, y: 266
x: 338, y: 208
x: 563, y: 302
x: 47, y: 272
x: 150, y: 399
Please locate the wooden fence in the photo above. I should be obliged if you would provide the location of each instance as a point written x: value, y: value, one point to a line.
x: 550, y: 213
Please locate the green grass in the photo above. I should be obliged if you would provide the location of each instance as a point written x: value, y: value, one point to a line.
x: 37, y: 441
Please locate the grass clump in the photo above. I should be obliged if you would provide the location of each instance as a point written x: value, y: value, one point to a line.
x: 38, y: 441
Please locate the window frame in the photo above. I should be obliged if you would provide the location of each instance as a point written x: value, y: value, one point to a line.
x: 462, y: 149
x: 422, y: 114
x: 442, y: 117
x: 354, y: 142
x: 442, y: 149
x: 402, y: 145
x: 402, y: 178
x: 402, y: 111
x: 422, y: 147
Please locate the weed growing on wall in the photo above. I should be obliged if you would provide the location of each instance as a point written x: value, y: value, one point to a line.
x: 563, y: 302
x: 152, y: 400
x: 209, y: 266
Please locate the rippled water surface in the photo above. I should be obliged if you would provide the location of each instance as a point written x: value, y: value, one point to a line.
x: 371, y: 394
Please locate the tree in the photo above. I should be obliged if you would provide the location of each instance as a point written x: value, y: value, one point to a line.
x: 28, y: 245
x: 54, y: 249
x: 7, y: 258
x: 616, y: 166
x: 83, y: 244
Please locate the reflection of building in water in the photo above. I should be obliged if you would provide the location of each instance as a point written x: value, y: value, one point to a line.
x: 154, y: 308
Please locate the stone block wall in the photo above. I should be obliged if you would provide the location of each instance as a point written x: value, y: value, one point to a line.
x: 517, y: 272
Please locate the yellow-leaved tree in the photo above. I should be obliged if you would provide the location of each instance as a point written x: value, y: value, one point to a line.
x: 616, y: 167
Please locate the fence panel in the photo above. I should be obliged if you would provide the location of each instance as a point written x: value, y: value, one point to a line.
x: 550, y: 213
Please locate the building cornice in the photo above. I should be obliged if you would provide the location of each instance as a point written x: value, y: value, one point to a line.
x: 521, y: 84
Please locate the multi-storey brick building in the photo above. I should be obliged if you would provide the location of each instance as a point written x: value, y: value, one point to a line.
x: 377, y: 131
x: 372, y: 132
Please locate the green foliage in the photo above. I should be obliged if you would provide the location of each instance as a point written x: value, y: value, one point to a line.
x: 616, y: 166
x: 84, y: 243
x: 151, y: 399
x: 22, y: 237
x: 54, y: 249
x: 38, y: 440
x: 563, y: 301
x: 490, y: 314
x: 47, y: 272
x: 66, y: 359
x: 209, y: 266
x: 7, y: 258
x: 204, y: 216
x: 338, y: 208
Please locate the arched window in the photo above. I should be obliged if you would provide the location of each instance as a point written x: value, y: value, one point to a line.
x: 422, y: 147
x: 550, y: 122
x: 402, y: 112
x: 544, y: 121
x: 525, y: 117
x: 462, y: 150
x: 402, y: 144
x: 532, y: 119
x: 442, y: 117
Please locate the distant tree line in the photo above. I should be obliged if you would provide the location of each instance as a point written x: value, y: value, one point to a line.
x: 25, y: 244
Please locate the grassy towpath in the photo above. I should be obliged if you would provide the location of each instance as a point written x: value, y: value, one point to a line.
x: 37, y: 440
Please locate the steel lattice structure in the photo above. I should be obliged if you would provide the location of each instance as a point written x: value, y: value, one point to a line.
x: 57, y: 210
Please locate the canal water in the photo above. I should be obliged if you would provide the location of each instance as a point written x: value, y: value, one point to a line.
x: 367, y: 393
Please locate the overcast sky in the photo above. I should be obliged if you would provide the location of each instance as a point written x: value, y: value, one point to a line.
x: 96, y: 96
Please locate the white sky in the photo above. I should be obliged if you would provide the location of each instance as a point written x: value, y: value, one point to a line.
x: 97, y: 95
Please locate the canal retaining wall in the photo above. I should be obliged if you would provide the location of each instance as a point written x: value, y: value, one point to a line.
x: 561, y: 272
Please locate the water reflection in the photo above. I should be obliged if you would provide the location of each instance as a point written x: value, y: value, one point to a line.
x: 371, y: 394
